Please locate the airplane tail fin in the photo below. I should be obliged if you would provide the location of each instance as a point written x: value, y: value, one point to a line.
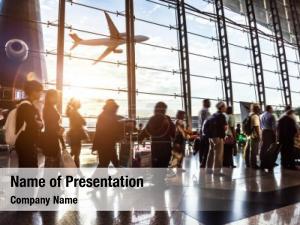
x: 76, y: 40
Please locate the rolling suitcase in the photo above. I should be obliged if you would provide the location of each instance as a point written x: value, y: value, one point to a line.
x: 270, y: 157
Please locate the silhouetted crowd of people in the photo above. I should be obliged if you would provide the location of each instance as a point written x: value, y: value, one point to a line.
x: 217, y: 139
x: 264, y: 137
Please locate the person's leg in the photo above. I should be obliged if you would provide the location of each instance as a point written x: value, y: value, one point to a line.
x: 291, y: 155
x: 104, y: 160
x: 114, y: 159
x: 210, y: 156
x: 264, y: 147
x: 283, y: 152
x: 205, y: 151
x: 201, y: 151
x: 247, y: 152
x: 253, y: 152
x: 75, y: 152
x: 219, y: 152
x: 226, y: 158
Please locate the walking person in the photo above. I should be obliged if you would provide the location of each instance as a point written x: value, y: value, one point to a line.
x: 109, y: 130
x: 230, y: 139
x: 76, y: 133
x: 216, y: 126
x: 252, y: 129
x: 53, y: 141
x: 181, y: 135
x: 287, y: 130
x: 204, y: 142
x: 161, y: 129
x: 268, y: 127
x: 28, y: 116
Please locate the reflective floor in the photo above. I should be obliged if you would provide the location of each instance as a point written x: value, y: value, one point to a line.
x: 242, y: 196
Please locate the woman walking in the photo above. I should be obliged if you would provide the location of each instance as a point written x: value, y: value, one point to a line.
x: 76, y: 132
x: 52, y: 137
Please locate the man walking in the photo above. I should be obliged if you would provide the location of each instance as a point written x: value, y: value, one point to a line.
x: 216, y: 125
x: 204, y: 143
x: 253, y: 137
x: 268, y: 126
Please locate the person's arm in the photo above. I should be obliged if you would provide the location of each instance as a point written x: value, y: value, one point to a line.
x: 172, y: 128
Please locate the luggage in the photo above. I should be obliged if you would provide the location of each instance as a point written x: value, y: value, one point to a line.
x: 142, y: 155
x: 270, y: 157
x: 228, y: 155
x: 196, y: 146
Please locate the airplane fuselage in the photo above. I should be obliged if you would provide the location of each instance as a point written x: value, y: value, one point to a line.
x: 112, y: 41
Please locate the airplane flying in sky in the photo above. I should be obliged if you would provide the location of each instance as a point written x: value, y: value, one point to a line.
x: 112, y: 42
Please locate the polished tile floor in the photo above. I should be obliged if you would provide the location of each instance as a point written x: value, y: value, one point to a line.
x: 242, y: 196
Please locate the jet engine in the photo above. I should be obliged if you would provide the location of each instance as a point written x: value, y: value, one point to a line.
x: 16, y: 50
x: 118, y: 51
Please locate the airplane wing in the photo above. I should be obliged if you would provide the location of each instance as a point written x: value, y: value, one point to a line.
x: 104, y: 54
x: 114, y: 33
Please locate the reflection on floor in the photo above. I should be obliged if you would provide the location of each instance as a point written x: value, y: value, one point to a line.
x: 285, y: 215
x: 243, y: 196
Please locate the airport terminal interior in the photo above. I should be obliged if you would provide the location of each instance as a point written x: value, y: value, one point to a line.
x: 180, y: 52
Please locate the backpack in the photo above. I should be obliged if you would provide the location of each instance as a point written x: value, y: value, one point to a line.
x: 10, y: 126
x: 247, y: 128
x: 210, y: 126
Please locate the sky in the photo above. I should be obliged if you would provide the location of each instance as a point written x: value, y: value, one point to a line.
x: 102, y: 75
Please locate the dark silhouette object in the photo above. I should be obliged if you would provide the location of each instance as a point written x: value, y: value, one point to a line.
x: 27, y: 141
x: 52, y: 136
x: 109, y: 130
x: 161, y: 130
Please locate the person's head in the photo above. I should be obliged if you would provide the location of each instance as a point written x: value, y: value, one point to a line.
x: 269, y: 109
x: 111, y: 106
x: 229, y: 110
x: 255, y: 108
x: 238, y: 125
x: 206, y: 103
x: 287, y: 108
x: 221, y: 107
x: 51, y: 97
x: 180, y: 115
x: 33, y: 90
x: 160, y: 108
x: 290, y: 113
x: 74, y: 104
